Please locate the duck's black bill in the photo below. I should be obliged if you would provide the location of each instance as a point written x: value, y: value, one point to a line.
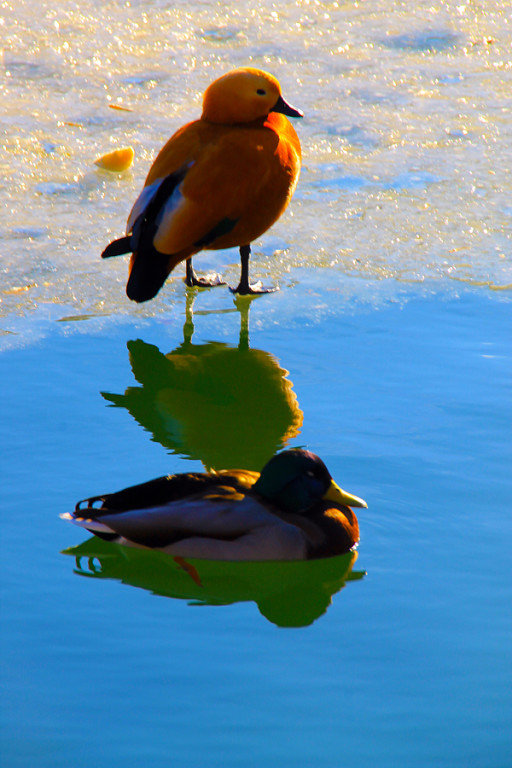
x: 286, y: 109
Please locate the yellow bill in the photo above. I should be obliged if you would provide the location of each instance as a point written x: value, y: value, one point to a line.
x: 339, y: 496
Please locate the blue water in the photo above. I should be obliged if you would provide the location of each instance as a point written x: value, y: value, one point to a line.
x: 408, y: 402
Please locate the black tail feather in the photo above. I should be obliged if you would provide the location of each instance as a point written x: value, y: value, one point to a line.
x: 148, y: 274
x: 118, y: 247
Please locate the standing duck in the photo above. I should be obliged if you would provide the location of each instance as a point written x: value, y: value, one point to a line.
x: 293, y: 510
x: 219, y: 182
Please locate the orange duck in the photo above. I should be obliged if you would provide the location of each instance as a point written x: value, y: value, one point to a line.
x: 219, y: 182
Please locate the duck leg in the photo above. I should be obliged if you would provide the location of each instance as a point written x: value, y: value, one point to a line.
x: 244, y: 287
x: 209, y: 281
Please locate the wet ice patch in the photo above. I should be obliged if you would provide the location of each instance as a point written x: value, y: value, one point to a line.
x: 427, y: 40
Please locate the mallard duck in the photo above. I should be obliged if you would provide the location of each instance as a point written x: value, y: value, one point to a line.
x: 219, y: 182
x: 293, y: 510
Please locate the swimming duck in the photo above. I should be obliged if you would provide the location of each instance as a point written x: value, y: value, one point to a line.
x: 293, y: 510
x: 219, y: 182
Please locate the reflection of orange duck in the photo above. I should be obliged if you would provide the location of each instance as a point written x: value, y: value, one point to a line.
x: 227, y: 406
x: 219, y: 182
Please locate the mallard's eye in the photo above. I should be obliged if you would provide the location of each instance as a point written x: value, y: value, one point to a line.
x: 261, y: 92
x: 309, y: 473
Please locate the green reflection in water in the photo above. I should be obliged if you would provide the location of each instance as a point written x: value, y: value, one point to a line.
x: 226, y: 406
x: 288, y: 594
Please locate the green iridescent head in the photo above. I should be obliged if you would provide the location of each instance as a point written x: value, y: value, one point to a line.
x: 294, y: 480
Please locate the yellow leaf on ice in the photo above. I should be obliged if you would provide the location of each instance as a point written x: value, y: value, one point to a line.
x: 117, y: 161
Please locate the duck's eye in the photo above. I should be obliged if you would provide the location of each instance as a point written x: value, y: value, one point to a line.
x: 309, y: 473
x: 261, y: 92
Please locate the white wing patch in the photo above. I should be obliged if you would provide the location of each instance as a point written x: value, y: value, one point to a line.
x: 142, y: 203
x: 171, y: 204
x: 147, y: 195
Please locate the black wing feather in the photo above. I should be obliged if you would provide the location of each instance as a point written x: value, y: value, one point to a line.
x: 118, y: 247
x: 222, y: 228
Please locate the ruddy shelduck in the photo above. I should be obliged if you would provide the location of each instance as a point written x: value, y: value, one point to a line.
x: 219, y: 182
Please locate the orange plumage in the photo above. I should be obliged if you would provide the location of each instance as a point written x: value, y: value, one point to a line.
x: 219, y: 182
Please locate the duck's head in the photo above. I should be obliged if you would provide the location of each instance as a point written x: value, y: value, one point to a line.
x: 244, y: 95
x: 295, y: 480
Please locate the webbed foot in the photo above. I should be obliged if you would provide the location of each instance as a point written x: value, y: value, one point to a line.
x: 244, y: 286
x: 208, y: 281
x: 256, y: 289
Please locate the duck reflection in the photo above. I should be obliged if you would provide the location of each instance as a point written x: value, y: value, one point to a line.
x: 288, y: 594
x: 224, y: 405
